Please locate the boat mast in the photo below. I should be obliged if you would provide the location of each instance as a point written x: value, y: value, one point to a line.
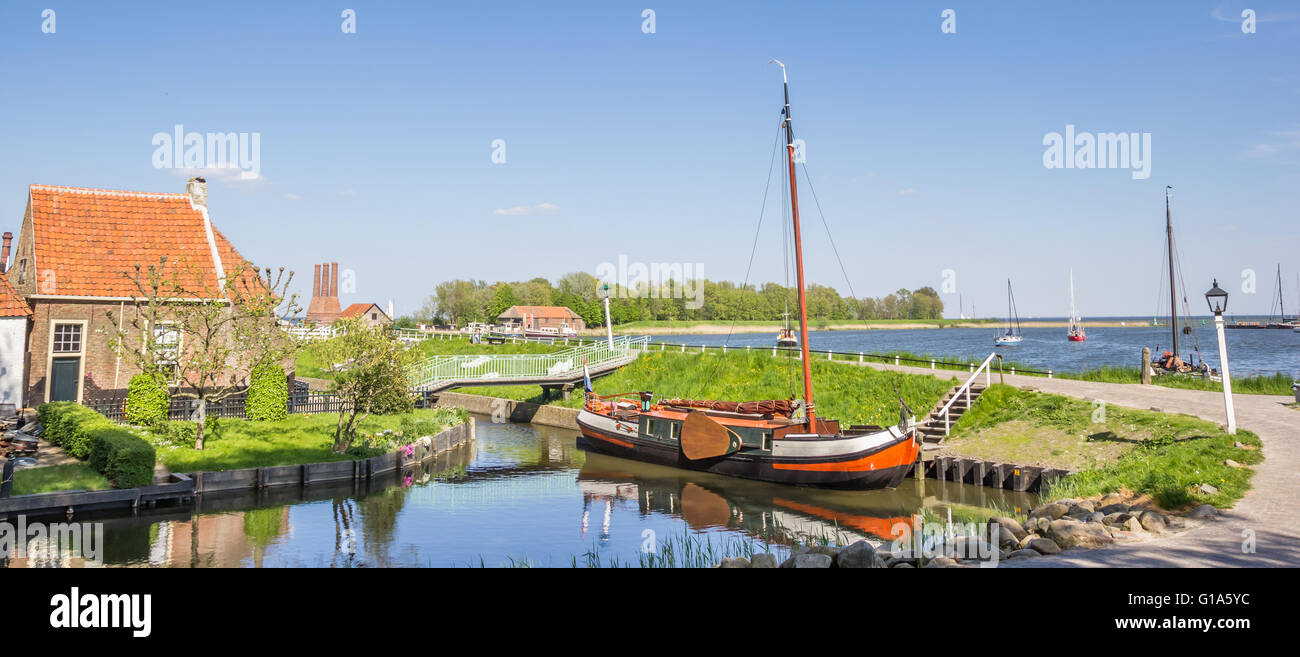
x: 1281, y: 305
x: 798, y: 257
x: 1173, y: 291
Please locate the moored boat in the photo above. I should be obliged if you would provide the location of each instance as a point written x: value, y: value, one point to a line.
x: 1011, y: 336
x: 1075, y: 332
x: 779, y: 441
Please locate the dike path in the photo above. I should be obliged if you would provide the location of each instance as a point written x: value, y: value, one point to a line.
x: 1270, y: 511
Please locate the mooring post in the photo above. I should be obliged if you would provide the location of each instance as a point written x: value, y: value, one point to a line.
x: 895, y: 360
x: 1146, y: 366
x: 931, y: 363
x: 1049, y: 372
x: 7, y: 479
x: 859, y: 356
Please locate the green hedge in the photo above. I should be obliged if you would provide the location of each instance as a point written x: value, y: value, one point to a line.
x: 147, y: 400
x: 268, y: 393
x: 122, y: 456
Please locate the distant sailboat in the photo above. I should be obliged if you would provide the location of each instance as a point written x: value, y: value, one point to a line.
x: 1075, y: 334
x: 1011, y: 336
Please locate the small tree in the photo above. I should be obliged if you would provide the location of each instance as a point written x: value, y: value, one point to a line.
x: 370, y: 375
x: 205, y: 338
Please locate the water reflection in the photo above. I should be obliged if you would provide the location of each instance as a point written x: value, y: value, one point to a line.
x: 518, y: 493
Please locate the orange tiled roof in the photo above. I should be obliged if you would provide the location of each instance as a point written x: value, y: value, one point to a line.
x: 545, y: 312
x: 11, y: 305
x: 89, y: 240
x: 357, y: 309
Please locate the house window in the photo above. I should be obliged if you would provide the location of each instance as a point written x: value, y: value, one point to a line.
x: 374, y: 316
x: 167, y: 342
x: 67, y: 338
x: 22, y: 271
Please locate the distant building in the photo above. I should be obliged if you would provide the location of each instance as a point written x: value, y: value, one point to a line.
x: 324, y: 305
x: 369, y: 313
x: 535, y: 317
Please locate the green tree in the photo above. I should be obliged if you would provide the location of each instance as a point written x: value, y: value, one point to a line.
x: 370, y: 376
x: 502, y: 300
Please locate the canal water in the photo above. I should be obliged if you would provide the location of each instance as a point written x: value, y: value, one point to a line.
x: 1250, y: 351
x: 520, y: 494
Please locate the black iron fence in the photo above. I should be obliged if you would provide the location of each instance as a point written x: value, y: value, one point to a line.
x: 112, y: 404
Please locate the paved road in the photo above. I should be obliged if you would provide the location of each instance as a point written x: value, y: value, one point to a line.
x: 1271, y: 509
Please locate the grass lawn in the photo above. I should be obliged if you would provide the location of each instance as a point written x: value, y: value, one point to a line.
x: 849, y: 393
x: 73, y: 476
x: 1163, y: 455
x: 1256, y: 384
x: 297, y: 439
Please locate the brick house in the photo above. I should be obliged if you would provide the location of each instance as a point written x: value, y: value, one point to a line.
x: 15, y: 317
x: 369, y: 313
x: 75, y: 250
x: 535, y: 317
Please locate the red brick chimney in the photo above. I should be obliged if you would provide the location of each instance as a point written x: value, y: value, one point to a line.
x: 334, y: 279
x: 4, y: 252
x: 324, y: 305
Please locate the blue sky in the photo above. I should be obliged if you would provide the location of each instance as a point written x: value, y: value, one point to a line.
x: 926, y: 148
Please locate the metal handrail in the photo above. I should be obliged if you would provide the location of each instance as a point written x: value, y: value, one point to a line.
x: 988, y: 381
x: 567, y: 362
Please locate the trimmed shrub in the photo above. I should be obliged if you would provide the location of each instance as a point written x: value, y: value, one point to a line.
x: 268, y: 393
x: 125, y: 458
x: 147, y: 400
x: 122, y: 456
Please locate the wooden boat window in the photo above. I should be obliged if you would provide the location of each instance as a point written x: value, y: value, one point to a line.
x: 767, y: 440
x: 674, y: 431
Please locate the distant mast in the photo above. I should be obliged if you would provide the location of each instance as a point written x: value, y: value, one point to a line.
x: 1173, y: 291
x: 798, y: 256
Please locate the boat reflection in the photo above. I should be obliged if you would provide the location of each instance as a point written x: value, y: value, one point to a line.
x: 774, y: 512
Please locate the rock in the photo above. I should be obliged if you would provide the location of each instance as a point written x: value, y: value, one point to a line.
x: 1087, y: 504
x: 1050, y: 511
x: 1239, y: 445
x: 1116, y: 518
x: 1132, y: 525
x: 808, y: 560
x: 1010, y: 524
x: 1039, y: 525
x: 1068, y: 534
x: 1044, y: 546
x: 972, y: 547
x: 1209, y: 490
x: 827, y: 550
x: 1008, y: 540
x: 859, y: 555
x: 941, y: 562
x: 903, y: 564
x: 1114, y: 508
x: 1111, y: 499
x: 736, y: 562
x: 1152, y: 522
x: 1020, y: 554
x: 1204, y: 511
x: 1069, y: 501
x: 763, y: 560
x: 1231, y: 463
x: 1095, y: 516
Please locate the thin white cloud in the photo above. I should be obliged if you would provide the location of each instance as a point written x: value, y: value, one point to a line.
x: 522, y: 210
x: 292, y: 197
x: 1222, y: 13
x: 1280, y: 142
x: 907, y: 191
x: 228, y: 174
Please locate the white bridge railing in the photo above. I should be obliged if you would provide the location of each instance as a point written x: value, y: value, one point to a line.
x: 561, y: 364
x: 965, y: 389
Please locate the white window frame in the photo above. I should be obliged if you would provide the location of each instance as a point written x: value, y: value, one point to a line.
x: 168, y: 326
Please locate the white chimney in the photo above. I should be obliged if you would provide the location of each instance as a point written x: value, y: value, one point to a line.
x: 198, y: 191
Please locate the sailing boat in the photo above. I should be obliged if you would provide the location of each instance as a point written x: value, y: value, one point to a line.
x: 1169, y: 360
x: 1011, y: 337
x: 781, y: 441
x: 1075, y: 333
x: 1283, y: 322
x: 786, y: 338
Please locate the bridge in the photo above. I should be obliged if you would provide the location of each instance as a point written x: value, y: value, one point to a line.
x: 561, y: 370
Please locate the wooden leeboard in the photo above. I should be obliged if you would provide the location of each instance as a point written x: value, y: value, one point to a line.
x: 704, y: 438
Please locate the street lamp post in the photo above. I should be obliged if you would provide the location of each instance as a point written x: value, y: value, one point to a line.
x: 1218, y: 301
x: 609, y: 326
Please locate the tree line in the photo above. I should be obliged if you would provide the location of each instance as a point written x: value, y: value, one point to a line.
x: 459, y: 302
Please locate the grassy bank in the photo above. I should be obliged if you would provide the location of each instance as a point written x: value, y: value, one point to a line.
x: 1163, y: 455
x: 1258, y: 384
x: 54, y: 478
x: 298, y: 439
x: 847, y: 393
x: 751, y: 326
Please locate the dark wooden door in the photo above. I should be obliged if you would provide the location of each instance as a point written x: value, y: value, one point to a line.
x: 64, y: 376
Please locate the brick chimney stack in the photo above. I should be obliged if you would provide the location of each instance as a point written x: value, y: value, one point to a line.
x: 197, y: 188
x: 324, y: 305
x: 4, y: 252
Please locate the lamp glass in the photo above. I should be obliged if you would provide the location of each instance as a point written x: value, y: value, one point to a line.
x: 1217, y: 298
